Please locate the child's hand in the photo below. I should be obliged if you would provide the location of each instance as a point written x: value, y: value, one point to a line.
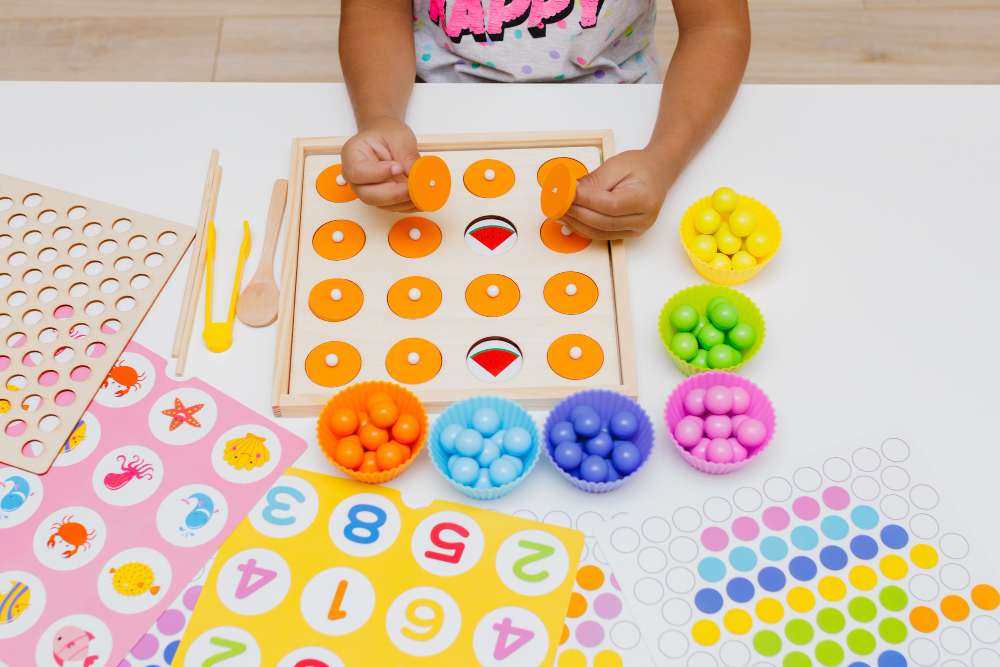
x: 376, y: 161
x: 621, y: 198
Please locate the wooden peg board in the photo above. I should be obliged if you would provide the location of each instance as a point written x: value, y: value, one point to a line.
x: 77, y: 278
x: 453, y: 327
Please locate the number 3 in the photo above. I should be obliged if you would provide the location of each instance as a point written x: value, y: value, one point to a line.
x: 276, y: 505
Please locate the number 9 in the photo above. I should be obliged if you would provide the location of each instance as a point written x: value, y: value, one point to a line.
x: 427, y: 628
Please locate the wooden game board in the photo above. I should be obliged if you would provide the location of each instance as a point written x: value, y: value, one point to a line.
x: 453, y: 327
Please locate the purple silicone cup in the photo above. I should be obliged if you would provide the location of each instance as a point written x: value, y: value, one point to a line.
x: 606, y: 403
x: 760, y: 408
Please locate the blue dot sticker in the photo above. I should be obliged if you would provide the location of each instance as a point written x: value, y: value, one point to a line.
x: 743, y: 559
x: 712, y: 569
x: 804, y: 538
x: 834, y: 527
x: 771, y: 579
x: 864, y: 517
x: 891, y: 659
x: 740, y: 590
x: 864, y: 547
x: 833, y: 558
x: 895, y: 537
x: 802, y: 568
x: 773, y: 548
x: 708, y: 600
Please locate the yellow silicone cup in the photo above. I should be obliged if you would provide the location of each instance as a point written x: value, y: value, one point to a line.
x: 355, y: 397
x: 698, y: 296
x: 766, y: 222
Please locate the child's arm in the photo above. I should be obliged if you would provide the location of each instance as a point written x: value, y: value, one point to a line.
x: 376, y: 53
x: 623, y: 197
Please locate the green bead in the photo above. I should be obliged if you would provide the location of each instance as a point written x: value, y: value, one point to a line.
x: 722, y: 356
x: 684, y: 318
x: 742, y: 336
x: 767, y: 643
x: 724, y: 316
x: 684, y: 345
x: 715, y: 301
x: 829, y: 653
x: 709, y: 336
x: 700, y: 359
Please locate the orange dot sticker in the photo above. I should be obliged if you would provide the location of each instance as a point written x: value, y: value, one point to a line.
x: 923, y: 619
x: 331, y: 186
x: 333, y: 363
x: 577, y: 605
x: 492, y: 295
x: 338, y: 239
x: 335, y: 299
x: 570, y: 292
x: 558, y: 192
x: 488, y: 178
x: 590, y: 577
x: 414, y: 237
x: 413, y: 361
x: 576, y: 168
x: 414, y: 297
x: 575, y: 356
x: 985, y: 597
x: 429, y: 183
x: 558, y: 237
x: 954, y: 608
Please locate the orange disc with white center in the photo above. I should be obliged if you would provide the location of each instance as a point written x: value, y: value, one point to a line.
x: 331, y: 186
x: 414, y: 297
x: 335, y: 299
x: 559, y: 237
x: 414, y: 237
x: 488, y: 178
x: 576, y: 168
x: 558, y: 192
x: 492, y: 295
x: 413, y: 361
x: 333, y: 363
x: 570, y: 292
x: 429, y: 183
x: 338, y: 239
x: 575, y: 356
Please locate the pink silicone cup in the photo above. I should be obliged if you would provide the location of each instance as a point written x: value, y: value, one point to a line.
x: 760, y: 408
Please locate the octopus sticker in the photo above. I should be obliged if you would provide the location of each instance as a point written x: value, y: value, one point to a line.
x: 182, y: 416
x: 192, y: 515
x: 22, y: 601
x: 129, y: 381
x: 20, y: 496
x: 134, y: 580
x: 80, y: 639
x: 127, y: 475
x: 246, y: 454
x: 81, y: 443
x: 69, y: 538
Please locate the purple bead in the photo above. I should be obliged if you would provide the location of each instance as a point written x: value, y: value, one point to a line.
x: 751, y: 433
x: 561, y: 432
x: 600, y: 444
x: 718, y: 426
x: 694, y: 402
x: 613, y: 475
x: 625, y: 457
x: 623, y: 425
x: 594, y: 469
x: 719, y: 451
x: 587, y: 423
x: 568, y: 455
x: 719, y: 400
x: 741, y: 400
x: 689, y: 431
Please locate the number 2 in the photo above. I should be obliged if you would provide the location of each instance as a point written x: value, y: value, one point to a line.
x: 429, y: 626
x: 505, y: 629
x: 368, y: 529
x: 540, y: 552
x: 231, y: 649
x: 248, y: 584
x: 276, y: 505
x: 457, y: 548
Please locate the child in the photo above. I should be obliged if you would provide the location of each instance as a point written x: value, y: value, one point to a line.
x: 541, y: 40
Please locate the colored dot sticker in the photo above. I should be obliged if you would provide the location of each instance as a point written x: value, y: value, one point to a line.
x: 746, y: 529
x: 833, y: 558
x: 832, y: 589
x: 802, y: 568
x: 796, y: 659
x: 860, y: 642
x: 743, y: 559
x: 893, y: 567
x: 863, y: 577
x: 737, y: 621
x: 770, y: 610
x: 985, y: 597
x: 767, y: 643
x: 801, y: 599
x: 805, y: 508
x: 836, y: 498
x: 834, y: 527
x: 864, y: 517
x: 773, y: 548
x: 829, y: 652
x: 954, y: 608
x: 804, y: 538
x: 891, y: 659
x: 861, y: 609
x: 708, y: 600
x: 705, y: 632
x: 799, y: 632
x: 712, y: 569
x: 775, y: 518
x: 830, y: 620
x: 924, y: 556
x: 740, y: 590
x: 771, y: 579
x: 892, y: 630
x: 590, y: 577
x: 924, y: 619
x: 894, y: 537
x: 577, y: 605
x: 607, y: 658
x: 893, y: 598
x: 714, y: 539
x: 864, y: 547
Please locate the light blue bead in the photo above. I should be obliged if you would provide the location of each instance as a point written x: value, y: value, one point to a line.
x: 489, y: 454
x: 516, y: 441
x: 502, y: 471
x: 465, y: 470
x: 447, y: 438
x: 483, y: 481
x: 469, y: 442
x: 451, y: 460
x: 486, y: 421
x: 516, y: 462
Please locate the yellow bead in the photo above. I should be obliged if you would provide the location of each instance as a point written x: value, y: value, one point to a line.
x: 725, y: 200
x: 726, y: 241
x: 720, y: 262
x: 707, y: 221
x: 704, y: 247
x: 759, y: 245
x: 742, y: 222
x: 743, y: 260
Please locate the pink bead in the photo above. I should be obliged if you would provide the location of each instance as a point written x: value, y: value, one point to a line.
x: 689, y: 431
x: 700, y: 450
x: 751, y: 433
x: 737, y: 420
x: 740, y: 452
x: 719, y: 451
x: 694, y: 402
x: 741, y: 400
x: 719, y: 400
x: 718, y: 426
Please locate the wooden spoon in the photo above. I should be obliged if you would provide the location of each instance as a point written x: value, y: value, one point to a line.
x: 258, y: 304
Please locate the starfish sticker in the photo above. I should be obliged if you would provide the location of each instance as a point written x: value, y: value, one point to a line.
x: 183, y: 414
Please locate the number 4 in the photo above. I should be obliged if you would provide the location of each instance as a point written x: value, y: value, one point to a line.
x: 505, y: 629
x: 248, y: 585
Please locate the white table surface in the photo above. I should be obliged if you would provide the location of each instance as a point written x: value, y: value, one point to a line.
x: 881, y: 307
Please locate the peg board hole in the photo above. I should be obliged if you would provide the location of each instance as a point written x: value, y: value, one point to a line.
x: 32, y: 200
x: 76, y: 212
x: 32, y: 449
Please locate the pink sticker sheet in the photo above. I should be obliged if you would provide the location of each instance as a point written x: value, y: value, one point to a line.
x: 154, y: 477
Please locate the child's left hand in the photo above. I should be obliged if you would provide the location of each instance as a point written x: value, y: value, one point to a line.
x: 622, y: 197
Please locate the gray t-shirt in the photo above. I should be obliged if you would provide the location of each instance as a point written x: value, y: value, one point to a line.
x: 592, y: 41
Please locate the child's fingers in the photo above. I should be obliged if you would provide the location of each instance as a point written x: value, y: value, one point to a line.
x: 368, y: 172
x: 624, y: 201
x: 600, y: 227
x: 384, y: 194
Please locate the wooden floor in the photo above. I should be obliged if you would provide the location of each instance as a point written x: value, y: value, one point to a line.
x: 795, y: 41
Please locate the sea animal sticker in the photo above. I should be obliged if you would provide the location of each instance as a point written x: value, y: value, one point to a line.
x: 246, y: 454
x: 79, y: 640
x: 22, y: 601
x: 127, y: 475
x: 494, y: 359
x: 133, y: 580
x: 192, y: 515
x: 129, y: 381
x: 123, y: 379
x: 15, y: 600
x: 490, y: 235
x: 69, y: 538
x: 81, y: 442
x: 20, y: 496
x: 182, y: 416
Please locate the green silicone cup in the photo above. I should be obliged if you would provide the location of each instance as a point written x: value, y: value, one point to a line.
x: 699, y: 296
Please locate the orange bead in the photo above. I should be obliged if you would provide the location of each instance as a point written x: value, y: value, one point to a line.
x: 362, y: 418
x: 389, y: 456
x: 369, y: 464
x: 372, y: 437
x: 377, y: 397
x: 406, y: 430
x: 404, y: 451
x: 343, y: 421
x: 349, y: 452
x: 384, y: 414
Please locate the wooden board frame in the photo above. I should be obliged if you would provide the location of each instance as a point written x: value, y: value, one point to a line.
x: 286, y: 404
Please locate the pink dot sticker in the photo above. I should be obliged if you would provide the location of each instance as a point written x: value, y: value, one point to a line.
x: 714, y: 538
x: 608, y: 605
x: 836, y: 498
x: 589, y: 633
x: 745, y: 528
x: 805, y: 508
x: 775, y: 518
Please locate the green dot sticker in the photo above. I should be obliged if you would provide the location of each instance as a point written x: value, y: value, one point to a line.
x: 830, y: 621
x: 892, y: 630
x: 799, y: 632
x: 829, y: 653
x: 861, y: 609
x: 861, y: 642
x: 767, y: 643
x: 893, y: 598
x: 796, y: 659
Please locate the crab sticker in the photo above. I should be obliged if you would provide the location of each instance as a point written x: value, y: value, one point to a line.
x: 69, y: 538
x: 182, y: 416
x: 81, y: 443
x: 129, y: 381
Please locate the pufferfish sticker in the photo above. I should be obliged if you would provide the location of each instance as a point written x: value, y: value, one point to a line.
x: 134, y: 580
x: 246, y: 454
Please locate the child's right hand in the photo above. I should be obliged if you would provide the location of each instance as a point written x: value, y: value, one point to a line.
x: 376, y: 161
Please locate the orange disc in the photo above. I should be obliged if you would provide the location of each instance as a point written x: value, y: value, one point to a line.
x: 559, y: 237
x: 558, y: 192
x: 331, y: 186
x: 333, y: 363
x: 575, y: 356
x: 429, y: 183
x: 335, y: 299
x: 492, y: 295
x: 488, y: 178
x: 570, y: 292
x: 414, y: 297
x: 576, y: 168
x: 338, y: 239
x: 414, y: 237
x: 413, y: 361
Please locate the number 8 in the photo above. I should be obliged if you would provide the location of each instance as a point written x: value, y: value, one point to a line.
x: 357, y: 525
x: 430, y: 626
